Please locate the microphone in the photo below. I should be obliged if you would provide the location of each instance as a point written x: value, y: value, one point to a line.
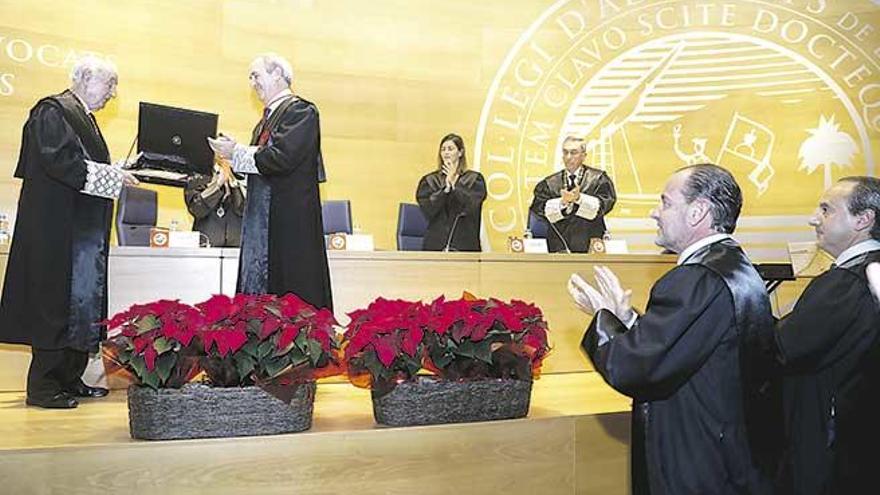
x: 564, y: 244
x: 452, y: 232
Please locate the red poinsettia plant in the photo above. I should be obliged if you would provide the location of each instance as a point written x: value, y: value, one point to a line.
x: 237, y: 341
x: 383, y: 343
x: 468, y: 338
x: 153, y: 343
x: 485, y: 338
x: 257, y: 339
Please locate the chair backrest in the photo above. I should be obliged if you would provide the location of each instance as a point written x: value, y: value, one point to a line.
x: 136, y: 214
x: 537, y: 226
x: 411, y: 227
x: 337, y: 216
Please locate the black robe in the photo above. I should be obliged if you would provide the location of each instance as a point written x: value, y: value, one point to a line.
x: 222, y: 230
x: 464, y: 203
x: 576, y: 231
x: 56, y: 279
x: 829, y: 345
x: 682, y: 363
x: 282, y: 234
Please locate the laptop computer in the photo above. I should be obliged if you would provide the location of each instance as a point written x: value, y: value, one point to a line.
x: 173, y: 144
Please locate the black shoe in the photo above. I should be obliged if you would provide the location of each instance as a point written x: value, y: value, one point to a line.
x: 83, y: 390
x: 58, y: 401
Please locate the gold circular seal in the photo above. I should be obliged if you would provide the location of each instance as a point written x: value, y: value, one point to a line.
x: 786, y: 95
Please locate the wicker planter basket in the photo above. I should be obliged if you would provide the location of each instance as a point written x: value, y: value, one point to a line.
x: 428, y: 401
x: 200, y: 411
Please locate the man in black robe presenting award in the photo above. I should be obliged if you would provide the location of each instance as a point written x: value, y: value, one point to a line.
x: 574, y: 201
x: 830, y: 347
x: 697, y: 360
x: 282, y: 247
x: 56, y: 280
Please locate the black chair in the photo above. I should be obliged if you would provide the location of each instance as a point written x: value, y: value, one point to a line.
x: 411, y: 227
x: 136, y: 214
x: 537, y: 226
x: 337, y: 216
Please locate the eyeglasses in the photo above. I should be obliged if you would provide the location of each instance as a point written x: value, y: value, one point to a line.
x: 576, y: 151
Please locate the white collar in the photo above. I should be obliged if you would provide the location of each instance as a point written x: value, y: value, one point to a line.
x: 856, y: 250
x: 578, y: 173
x: 279, y: 98
x: 81, y: 102
x: 705, y: 241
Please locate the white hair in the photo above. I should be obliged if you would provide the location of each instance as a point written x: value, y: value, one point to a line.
x: 90, y: 64
x: 579, y: 139
x: 274, y: 61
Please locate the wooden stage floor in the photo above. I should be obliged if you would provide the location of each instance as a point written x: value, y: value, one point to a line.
x: 575, y: 440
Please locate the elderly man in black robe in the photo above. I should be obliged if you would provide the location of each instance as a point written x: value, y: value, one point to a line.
x: 55, y: 291
x: 698, y: 359
x: 830, y: 347
x: 282, y: 246
x: 574, y: 201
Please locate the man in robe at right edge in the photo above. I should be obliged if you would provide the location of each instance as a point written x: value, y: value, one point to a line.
x: 830, y: 347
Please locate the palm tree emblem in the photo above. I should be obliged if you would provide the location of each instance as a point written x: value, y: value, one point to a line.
x: 827, y: 146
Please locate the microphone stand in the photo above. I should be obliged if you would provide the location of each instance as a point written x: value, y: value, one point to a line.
x: 452, y: 232
x: 564, y: 244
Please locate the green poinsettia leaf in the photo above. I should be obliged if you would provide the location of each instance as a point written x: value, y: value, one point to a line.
x: 147, y: 323
x: 151, y: 380
x: 441, y: 360
x: 254, y: 326
x: 412, y: 366
x: 164, y: 364
x: 296, y: 356
x: 467, y: 349
x: 244, y: 365
x: 275, y: 311
x: 125, y: 356
x: 139, y: 366
x: 373, y: 365
x: 275, y: 366
x: 162, y: 345
x: 483, y: 351
x: 265, y: 349
x: 315, y: 351
x: 498, y: 331
x: 250, y: 348
x: 302, y: 342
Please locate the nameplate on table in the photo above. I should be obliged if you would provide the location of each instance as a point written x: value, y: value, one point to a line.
x: 177, y: 239
x: 535, y: 245
x: 609, y: 246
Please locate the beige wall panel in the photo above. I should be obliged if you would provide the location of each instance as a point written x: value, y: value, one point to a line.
x: 359, y: 279
x: 544, y: 283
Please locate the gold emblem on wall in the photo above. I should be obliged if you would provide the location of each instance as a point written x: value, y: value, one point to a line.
x: 785, y: 95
